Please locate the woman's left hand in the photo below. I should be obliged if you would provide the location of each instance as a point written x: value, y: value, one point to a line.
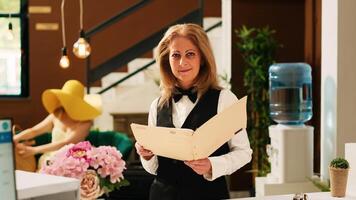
x: 201, y: 167
x: 25, y: 150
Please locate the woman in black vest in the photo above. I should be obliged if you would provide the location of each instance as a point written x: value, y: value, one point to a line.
x: 190, y: 96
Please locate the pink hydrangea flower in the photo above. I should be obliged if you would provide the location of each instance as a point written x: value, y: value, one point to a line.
x: 108, y: 163
x: 80, y: 150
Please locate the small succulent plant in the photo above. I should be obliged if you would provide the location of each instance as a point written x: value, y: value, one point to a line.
x: 340, y: 163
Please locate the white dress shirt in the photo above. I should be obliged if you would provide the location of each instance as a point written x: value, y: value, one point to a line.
x: 240, y: 151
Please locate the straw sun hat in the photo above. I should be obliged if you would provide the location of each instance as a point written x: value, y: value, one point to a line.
x: 71, y: 97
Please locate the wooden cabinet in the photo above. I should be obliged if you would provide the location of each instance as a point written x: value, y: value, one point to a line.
x: 122, y: 123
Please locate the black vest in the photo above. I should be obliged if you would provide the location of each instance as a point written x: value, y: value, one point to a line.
x: 191, y: 185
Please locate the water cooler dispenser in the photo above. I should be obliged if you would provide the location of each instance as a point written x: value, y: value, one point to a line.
x: 291, y: 150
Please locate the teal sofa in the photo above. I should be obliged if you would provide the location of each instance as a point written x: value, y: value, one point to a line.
x: 99, y: 138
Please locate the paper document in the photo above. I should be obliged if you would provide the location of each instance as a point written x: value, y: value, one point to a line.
x: 186, y: 144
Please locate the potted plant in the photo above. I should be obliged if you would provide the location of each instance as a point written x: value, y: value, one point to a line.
x: 258, y: 48
x: 338, y: 170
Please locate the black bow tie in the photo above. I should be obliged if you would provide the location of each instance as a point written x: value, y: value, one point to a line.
x: 191, y: 93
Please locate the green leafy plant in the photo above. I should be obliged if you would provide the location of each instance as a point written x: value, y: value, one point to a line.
x: 257, y: 47
x: 224, y: 80
x: 340, y: 163
x: 321, y: 185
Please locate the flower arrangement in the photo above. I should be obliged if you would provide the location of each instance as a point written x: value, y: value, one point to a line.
x: 99, y: 169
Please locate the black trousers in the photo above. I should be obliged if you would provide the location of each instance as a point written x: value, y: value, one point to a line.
x: 160, y: 190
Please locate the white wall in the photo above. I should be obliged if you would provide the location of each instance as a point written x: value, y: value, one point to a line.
x: 226, y: 12
x: 338, y: 79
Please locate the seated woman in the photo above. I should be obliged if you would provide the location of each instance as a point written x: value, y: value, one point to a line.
x: 70, y: 118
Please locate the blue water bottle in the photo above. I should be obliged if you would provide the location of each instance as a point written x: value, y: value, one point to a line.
x: 290, y: 92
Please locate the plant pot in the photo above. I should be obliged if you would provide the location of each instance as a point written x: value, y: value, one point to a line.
x: 338, y: 181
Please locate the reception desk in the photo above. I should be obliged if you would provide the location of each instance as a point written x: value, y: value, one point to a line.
x: 34, y: 186
x: 37, y: 186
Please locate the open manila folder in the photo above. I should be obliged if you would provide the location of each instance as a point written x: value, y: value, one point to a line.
x: 186, y: 144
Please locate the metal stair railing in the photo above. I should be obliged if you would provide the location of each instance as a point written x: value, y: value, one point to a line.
x: 115, y: 18
x: 127, y: 76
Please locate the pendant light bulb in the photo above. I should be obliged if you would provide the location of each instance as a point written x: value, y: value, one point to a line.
x: 9, y: 32
x: 81, y: 48
x: 64, y: 62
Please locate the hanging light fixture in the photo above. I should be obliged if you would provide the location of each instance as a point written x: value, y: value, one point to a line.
x: 81, y: 48
x: 9, y: 32
x: 64, y: 61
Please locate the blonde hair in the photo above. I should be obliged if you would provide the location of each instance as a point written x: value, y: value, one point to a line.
x: 207, y: 76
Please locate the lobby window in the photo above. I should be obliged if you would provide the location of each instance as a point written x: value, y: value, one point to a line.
x: 13, y: 48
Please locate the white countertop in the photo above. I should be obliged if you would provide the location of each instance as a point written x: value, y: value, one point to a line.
x: 31, y: 185
x: 312, y: 196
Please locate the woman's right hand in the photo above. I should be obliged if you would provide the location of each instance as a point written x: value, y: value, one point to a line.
x: 144, y: 153
x: 16, y: 139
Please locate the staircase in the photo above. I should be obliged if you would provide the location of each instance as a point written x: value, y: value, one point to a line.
x: 130, y: 93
